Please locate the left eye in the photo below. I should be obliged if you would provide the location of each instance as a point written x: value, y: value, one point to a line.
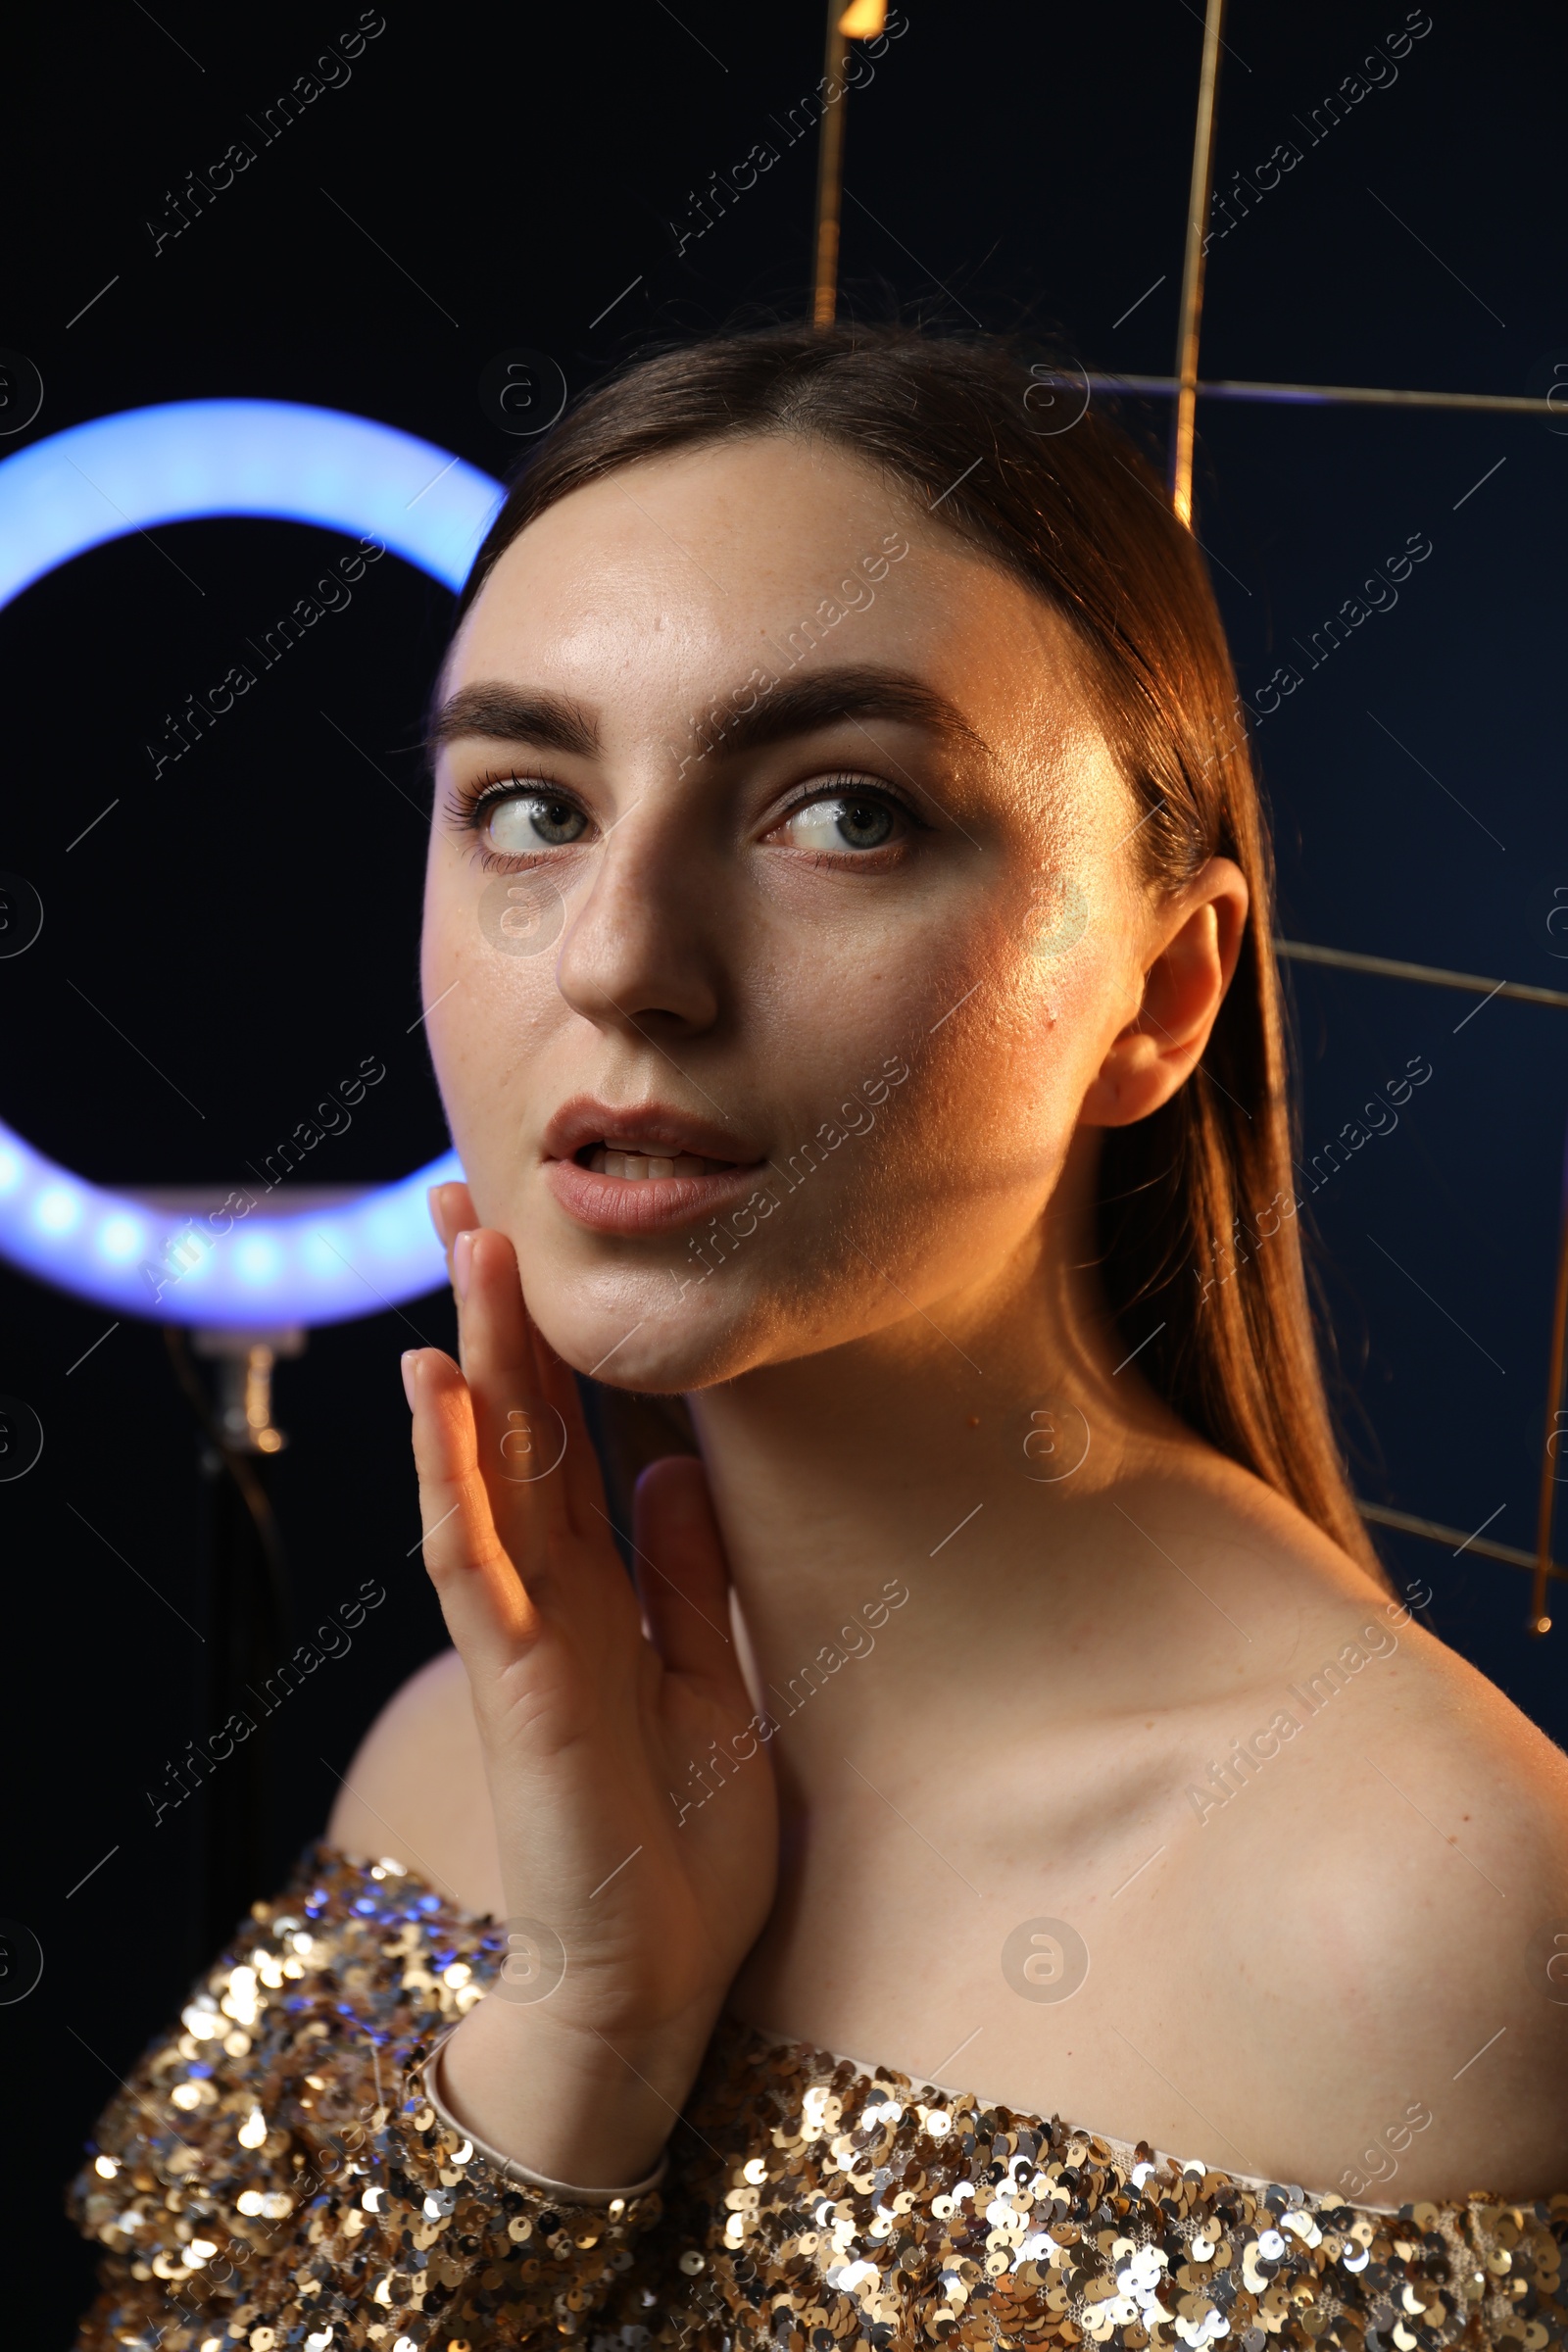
x: 846, y: 822
x: 520, y: 822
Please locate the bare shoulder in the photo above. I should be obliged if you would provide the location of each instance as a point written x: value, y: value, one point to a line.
x: 416, y: 1789
x: 1438, y: 1865
x: 1398, y: 1835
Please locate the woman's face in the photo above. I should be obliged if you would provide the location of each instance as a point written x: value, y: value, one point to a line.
x: 780, y: 911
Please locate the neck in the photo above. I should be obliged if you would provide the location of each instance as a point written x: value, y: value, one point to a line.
x: 943, y: 1458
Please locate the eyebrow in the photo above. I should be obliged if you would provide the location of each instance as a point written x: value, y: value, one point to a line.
x: 803, y: 705
x: 514, y: 714
x: 794, y: 706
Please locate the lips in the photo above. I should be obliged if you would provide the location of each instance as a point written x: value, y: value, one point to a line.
x: 646, y: 1168
x: 646, y: 1129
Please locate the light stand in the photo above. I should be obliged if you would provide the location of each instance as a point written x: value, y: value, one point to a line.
x: 245, y: 1590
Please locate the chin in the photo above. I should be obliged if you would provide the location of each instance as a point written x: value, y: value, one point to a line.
x: 633, y: 1328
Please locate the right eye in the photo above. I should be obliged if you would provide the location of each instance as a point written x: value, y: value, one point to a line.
x: 521, y: 823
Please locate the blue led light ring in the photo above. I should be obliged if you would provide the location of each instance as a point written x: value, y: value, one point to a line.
x: 194, y: 460
x: 189, y: 461
x: 317, y: 1267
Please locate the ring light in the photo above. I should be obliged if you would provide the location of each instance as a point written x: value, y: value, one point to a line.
x: 191, y: 462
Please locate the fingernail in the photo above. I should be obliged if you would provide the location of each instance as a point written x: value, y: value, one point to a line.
x: 435, y: 1213
x: 461, y: 1263
x: 409, y: 1375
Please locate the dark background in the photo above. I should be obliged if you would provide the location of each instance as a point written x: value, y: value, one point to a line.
x: 250, y: 920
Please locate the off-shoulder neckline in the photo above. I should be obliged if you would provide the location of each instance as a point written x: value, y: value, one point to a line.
x: 770, y: 2038
x: 1124, y: 2151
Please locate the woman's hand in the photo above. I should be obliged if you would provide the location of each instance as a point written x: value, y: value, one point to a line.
x: 591, y: 1712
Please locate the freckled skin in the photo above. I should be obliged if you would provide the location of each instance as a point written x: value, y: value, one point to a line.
x: 1272, y: 1977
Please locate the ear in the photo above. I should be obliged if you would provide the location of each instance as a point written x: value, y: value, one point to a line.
x: 1188, y: 967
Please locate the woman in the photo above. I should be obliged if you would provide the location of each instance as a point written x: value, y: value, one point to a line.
x: 848, y: 959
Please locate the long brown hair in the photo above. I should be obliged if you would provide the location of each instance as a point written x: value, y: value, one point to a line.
x: 1196, y: 1213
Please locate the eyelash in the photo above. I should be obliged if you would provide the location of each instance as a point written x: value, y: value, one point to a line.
x: 468, y: 806
x: 470, y: 802
x: 849, y: 786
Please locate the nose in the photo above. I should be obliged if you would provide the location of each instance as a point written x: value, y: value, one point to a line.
x: 641, y: 955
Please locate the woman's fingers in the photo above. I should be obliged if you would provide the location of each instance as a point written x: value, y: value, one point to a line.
x: 451, y: 1213
x: 486, y: 1608
x: 534, y: 1446
x: 521, y: 1434
x: 682, y: 1575
x: 535, y: 1454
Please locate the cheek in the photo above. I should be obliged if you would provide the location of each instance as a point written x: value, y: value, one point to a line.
x: 1000, y: 1013
x: 486, y: 1010
x: 1032, y: 1027
x: 1006, y: 1095
x: 446, y: 976
x: 438, y: 951
x: 981, y: 1127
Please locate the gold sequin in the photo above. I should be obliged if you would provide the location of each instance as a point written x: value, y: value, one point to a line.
x: 289, y: 2186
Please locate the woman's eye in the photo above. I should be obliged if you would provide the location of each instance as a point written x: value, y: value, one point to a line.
x: 533, y: 820
x: 844, y: 821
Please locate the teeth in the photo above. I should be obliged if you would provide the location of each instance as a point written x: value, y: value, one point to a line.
x: 635, y: 1168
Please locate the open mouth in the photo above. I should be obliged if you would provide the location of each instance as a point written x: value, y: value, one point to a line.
x: 644, y: 1170
x: 635, y: 1165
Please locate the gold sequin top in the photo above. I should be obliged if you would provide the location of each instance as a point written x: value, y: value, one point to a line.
x: 273, y: 2176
